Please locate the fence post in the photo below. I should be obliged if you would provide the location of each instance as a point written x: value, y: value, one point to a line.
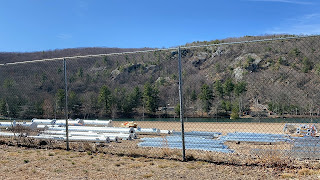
x: 66, y: 98
x: 181, y: 108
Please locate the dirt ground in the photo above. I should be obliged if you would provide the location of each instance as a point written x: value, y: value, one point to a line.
x: 276, y: 128
x: 26, y: 163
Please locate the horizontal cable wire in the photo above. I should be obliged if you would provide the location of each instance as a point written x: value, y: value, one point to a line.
x: 154, y: 50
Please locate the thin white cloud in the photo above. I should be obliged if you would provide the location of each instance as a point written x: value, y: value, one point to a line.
x: 312, y: 29
x: 286, y: 1
x: 311, y: 16
x: 64, y: 36
x: 81, y: 8
x: 307, y: 24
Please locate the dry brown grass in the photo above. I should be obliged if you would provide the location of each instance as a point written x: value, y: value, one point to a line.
x: 149, y: 175
x: 132, y: 157
x: 307, y: 172
x: 273, y: 159
x: 288, y: 176
x: 164, y: 164
x: 23, y: 163
x: 137, y: 165
x: 130, y: 149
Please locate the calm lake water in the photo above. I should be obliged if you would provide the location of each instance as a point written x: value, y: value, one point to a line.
x: 253, y: 120
x: 264, y: 120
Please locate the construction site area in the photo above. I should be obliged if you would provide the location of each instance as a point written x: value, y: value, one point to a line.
x: 289, y: 150
x: 247, y: 106
x: 296, y: 141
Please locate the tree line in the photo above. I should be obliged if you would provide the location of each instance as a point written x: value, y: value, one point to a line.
x: 107, y: 103
x: 113, y: 102
x: 120, y: 102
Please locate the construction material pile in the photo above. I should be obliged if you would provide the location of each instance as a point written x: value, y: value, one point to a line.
x: 255, y: 137
x: 79, y: 130
x: 300, y: 129
x: 196, y: 140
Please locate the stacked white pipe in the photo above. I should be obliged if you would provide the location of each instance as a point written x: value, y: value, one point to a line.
x: 147, y: 131
x: 98, y: 123
x: 75, y: 138
x: 92, y: 134
x: 46, y: 126
x: 62, y: 122
x: 93, y: 129
x: 76, y: 122
x: 113, y: 133
x: 31, y: 125
x: 10, y: 134
x: 166, y: 131
x: 8, y: 124
x: 44, y: 121
x: 55, y: 129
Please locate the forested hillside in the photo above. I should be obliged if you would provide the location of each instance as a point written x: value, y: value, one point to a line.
x: 249, y: 79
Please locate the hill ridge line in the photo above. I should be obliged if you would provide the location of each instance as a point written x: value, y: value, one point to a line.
x: 153, y: 50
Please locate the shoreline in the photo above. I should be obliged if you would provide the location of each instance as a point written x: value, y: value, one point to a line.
x: 208, y: 120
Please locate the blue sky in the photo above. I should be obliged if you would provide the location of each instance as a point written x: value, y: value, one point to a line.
x: 36, y: 25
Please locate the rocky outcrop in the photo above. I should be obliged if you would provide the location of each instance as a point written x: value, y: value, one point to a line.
x: 199, y: 59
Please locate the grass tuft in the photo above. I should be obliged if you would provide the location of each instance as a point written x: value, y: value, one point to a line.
x: 192, y: 166
x: 136, y: 165
x: 306, y: 172
x: 147, y: 175
x: 287, y: 175
x: 164, y: 165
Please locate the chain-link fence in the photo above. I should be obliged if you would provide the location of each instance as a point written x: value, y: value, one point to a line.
x: 242, y: 102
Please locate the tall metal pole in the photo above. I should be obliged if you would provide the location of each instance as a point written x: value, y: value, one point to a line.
x: 181, y: 108
x: 66, y: 98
